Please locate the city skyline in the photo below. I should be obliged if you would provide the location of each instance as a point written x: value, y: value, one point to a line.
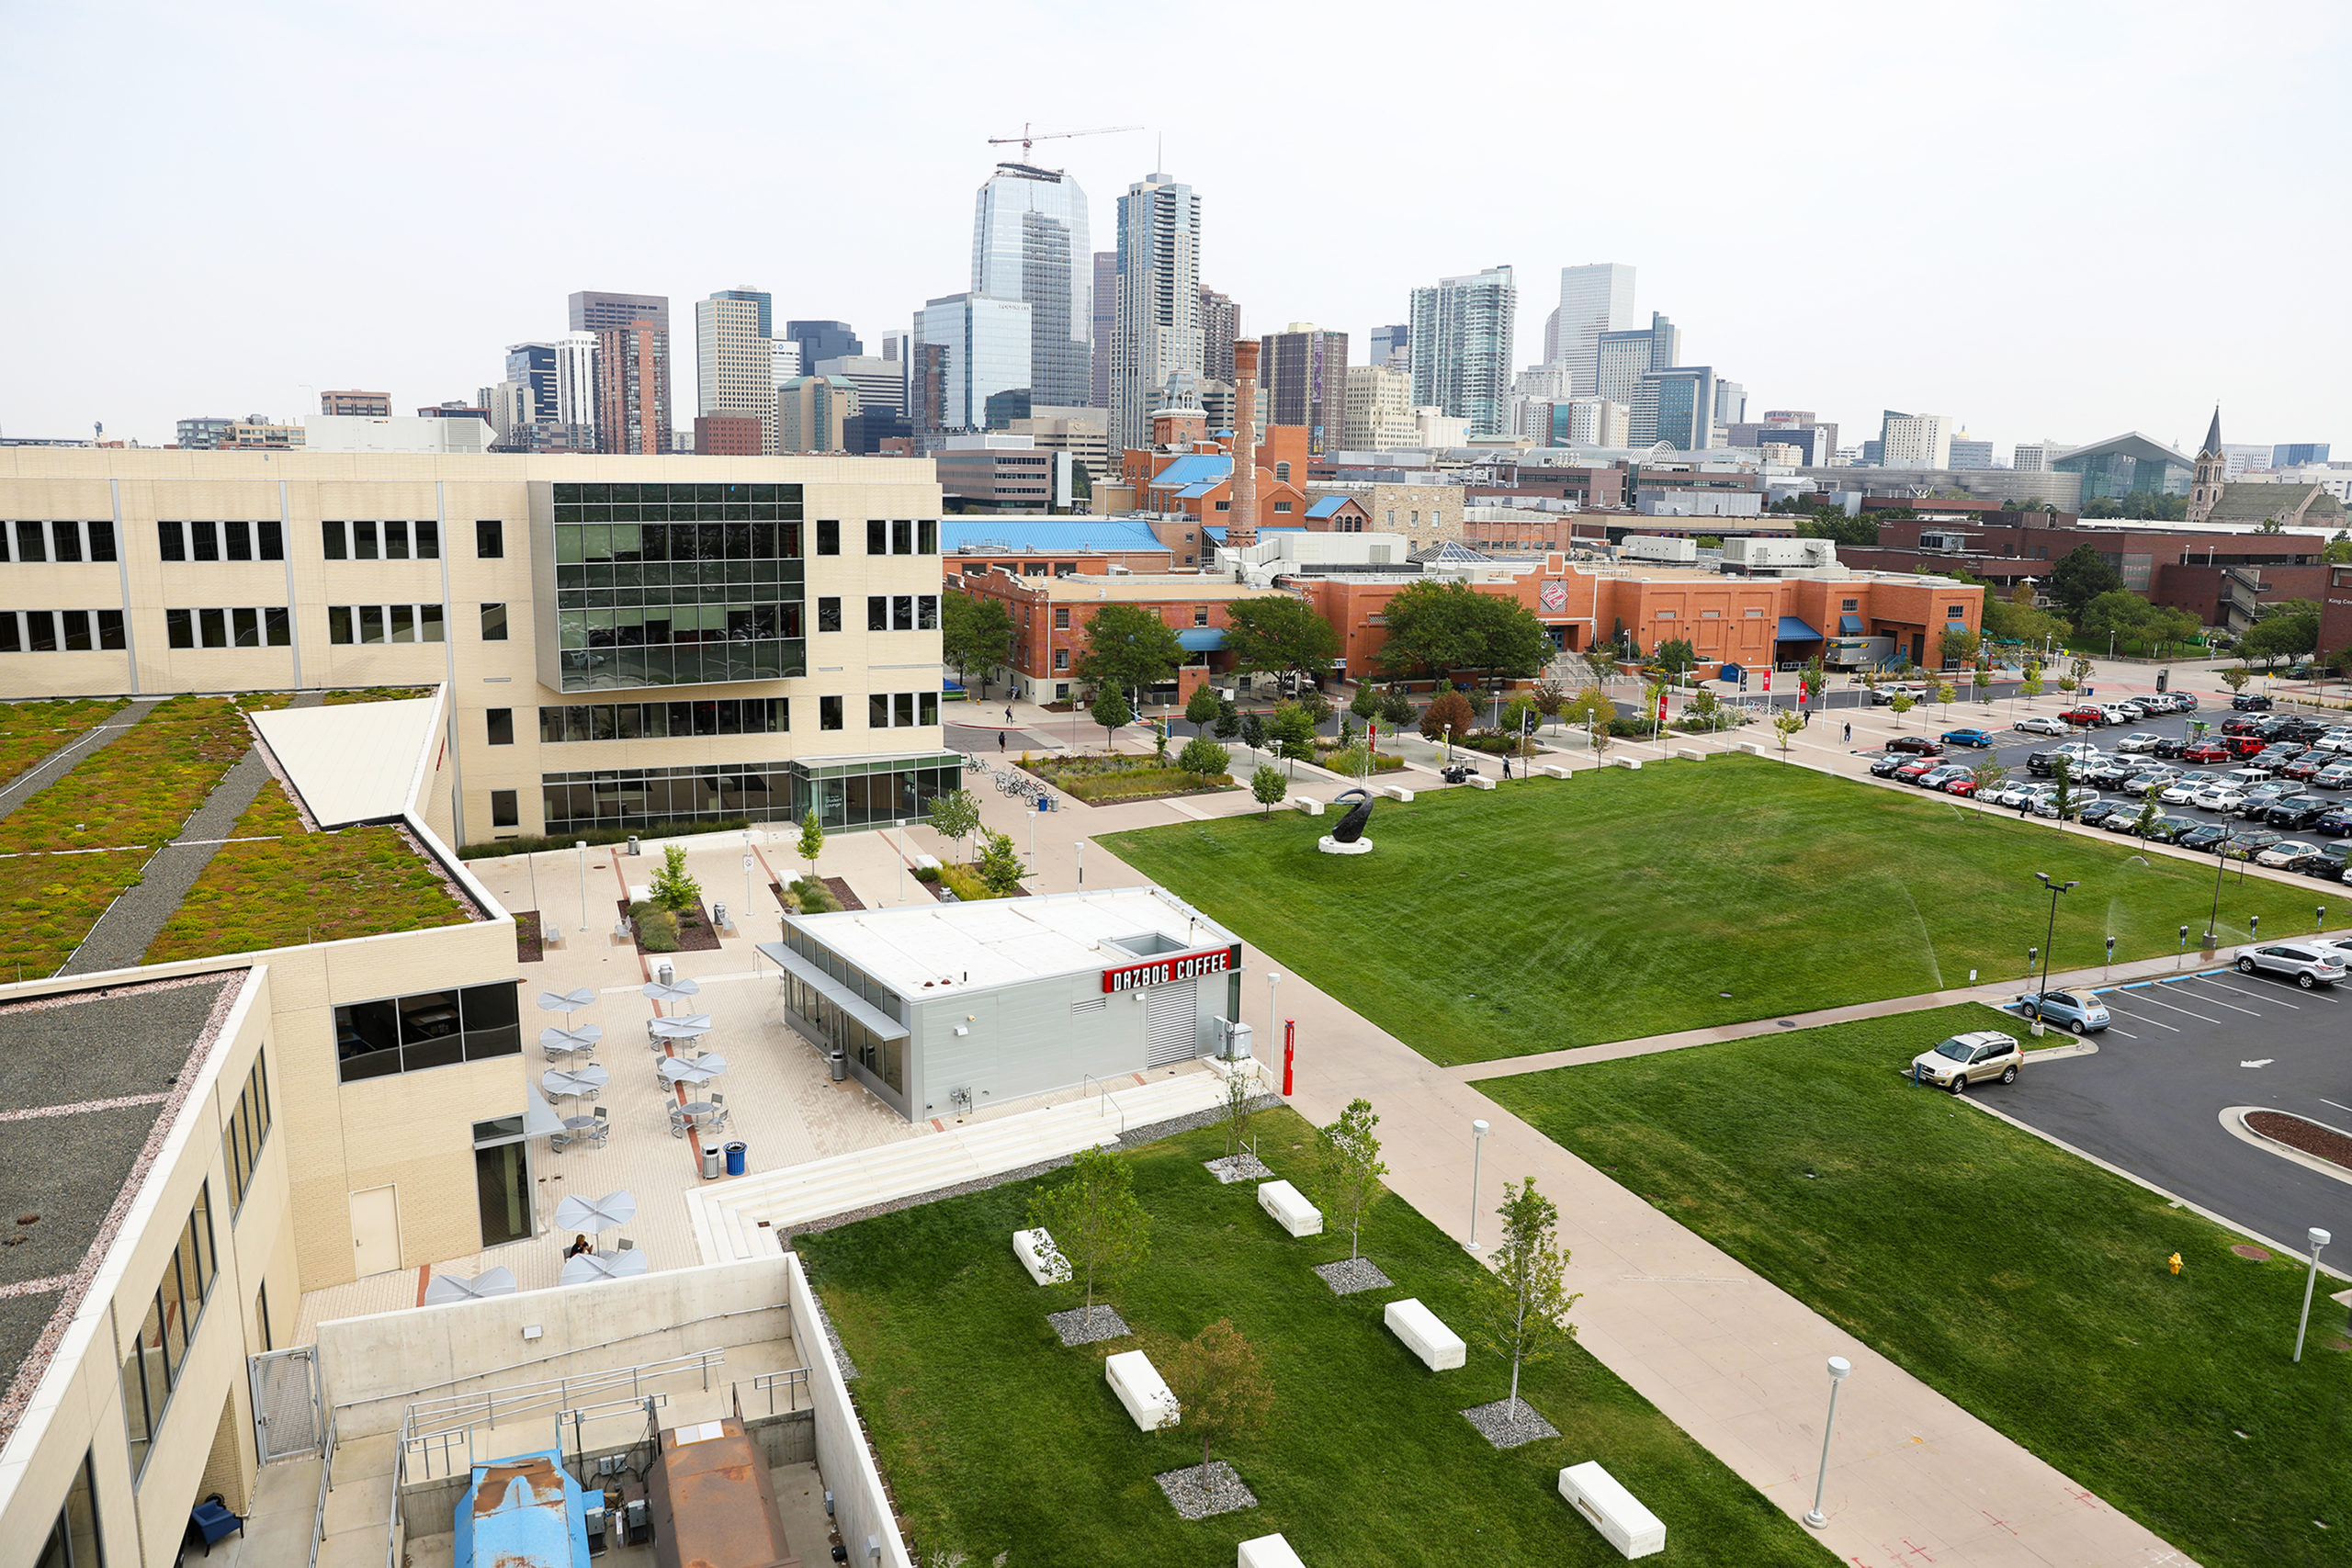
x: 2023, y: 325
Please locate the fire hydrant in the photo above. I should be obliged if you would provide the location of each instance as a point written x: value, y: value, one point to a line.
x: 2175, y: 1261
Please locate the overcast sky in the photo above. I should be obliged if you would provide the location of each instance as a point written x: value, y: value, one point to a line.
x: 2065, y: 219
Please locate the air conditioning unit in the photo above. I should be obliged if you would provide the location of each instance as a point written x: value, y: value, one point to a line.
x: 1229, y: 1039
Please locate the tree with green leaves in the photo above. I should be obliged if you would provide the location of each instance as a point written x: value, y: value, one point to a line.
x: 999, y: 867
x: 2062, y: 774
x: 1983, y: 681
x: 1989, y: 776
x: 674, y: 887
x: 1958, y: 646
x: 2338, y: 550
x: 1292, y: 730
x: 1279, y: 634
x: 1253, y: 731
x: 956, y: 814
x: 1238, y: 1106
x: 1228, y: 720
x: 1437, y: 627
x: 974, y: 636
x: 1110, y: 710
x: 2237, y: 676
x: 1600, y: 658
x: 1527, y: 1297
x: 1201, y: 707
x: 1097, y: 1226
x: 1945, y: 691
x: 1221, y: 1388
x: 812, y: 840
x: 2081, y: 576
x: 1448, y: 711
x: 2152, y: 806
x: 1129, y: 648
x: 1786, y: 725
x: 1203, y: 758
x: 1267, y: 787
x: 2287, y: 629
x: 1676, y: 657
x: 2032, y: 686
x: 2134, y: 622
x: 1900, y: 704
x: 1366, y: 703
x: 1397, y: 707
x: 2019, y: 619
x: 1351, y: 1168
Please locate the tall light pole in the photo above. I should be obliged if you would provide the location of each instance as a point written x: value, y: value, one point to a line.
x: 1840, y: 1368
x: 2319, y: 1239
x: 1081, y: 866
x: 1478, y: 1131
x: 1273, y: 1008
x: 580, y: 848
x: 2056, y: 889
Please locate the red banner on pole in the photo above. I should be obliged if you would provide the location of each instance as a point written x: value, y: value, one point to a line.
x: 1290, y: 1051
x: 1768, y: 681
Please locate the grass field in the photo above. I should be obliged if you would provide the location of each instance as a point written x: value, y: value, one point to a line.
x: 994, y: 1436
x: 1550, y: 914
x: 2027, y: 1284
x: 29, y: 731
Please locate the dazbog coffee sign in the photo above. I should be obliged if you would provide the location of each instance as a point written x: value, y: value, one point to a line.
x: 1175, y: 966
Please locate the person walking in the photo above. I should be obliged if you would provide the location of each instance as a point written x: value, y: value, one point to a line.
x: 1007, y: 713
x: 1506, y: 765
x: 1000, y: 742
x: 1850, y: 731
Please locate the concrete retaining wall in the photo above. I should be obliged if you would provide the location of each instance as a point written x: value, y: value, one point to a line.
x: 860, y: 1508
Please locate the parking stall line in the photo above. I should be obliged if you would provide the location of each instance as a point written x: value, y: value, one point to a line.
x: 2258, y: 996
x: 2250, y: 1012
x: 2169, y: 1008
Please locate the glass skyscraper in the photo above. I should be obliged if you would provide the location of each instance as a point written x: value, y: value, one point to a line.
x: 1157, y: 346
x: 1461, y: 348
x: 1029, y: 243
x: 1593, y: 299
x: 986, y: 344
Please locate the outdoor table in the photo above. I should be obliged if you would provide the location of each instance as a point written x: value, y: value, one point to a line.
x: 578, y: 1123
x: 575, y: 1080
x: 566, y: 1042
x: 684, y: 1026
x: 699, y: 1071
x: 590, y: 1266
x: 609, y: 1212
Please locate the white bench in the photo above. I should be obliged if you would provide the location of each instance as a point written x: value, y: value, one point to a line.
x: 1440, y: 1348
x: 1622, y: 1522
x: 1633, y: 762
x: 1751, y: 747
x: 1555, y: 771
x: 1142, y: 1389
x: 1036, y: 1253
x: 1290, y: 1208
x: 1301, y: 803
x: 1690, y: 753
x: 1268, y: 1552
x: 926, y: 863
x: 1479, y: 780
x: 1397, y: 792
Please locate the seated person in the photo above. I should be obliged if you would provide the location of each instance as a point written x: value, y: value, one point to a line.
x: 579, y: 1245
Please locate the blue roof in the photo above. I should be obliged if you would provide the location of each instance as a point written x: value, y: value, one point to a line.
x: 1327, y: 505
x: 1201, y: 640
x: 1794, y: 630
x: 1213, y: 531
x: 1195, y: 467
x: 1281, y: 529
x: 1849, y: 626
x: 1046, y: 534
x: 1194, y: 492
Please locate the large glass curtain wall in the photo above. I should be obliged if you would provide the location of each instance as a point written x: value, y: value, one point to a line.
x: 677, y: 584
x: 862, y: 793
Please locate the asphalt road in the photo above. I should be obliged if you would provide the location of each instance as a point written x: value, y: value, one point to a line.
x: 2177, y: 1054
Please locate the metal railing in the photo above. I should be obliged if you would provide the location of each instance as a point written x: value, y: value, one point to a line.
x: 795, y: 1384
x: 433, y: 1419
x: 1103, y: 1107
x: 326, y: 1484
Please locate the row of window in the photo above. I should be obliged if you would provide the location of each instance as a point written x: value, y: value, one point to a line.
x: 61, y: 631
x: 247, y: 1130
x: 655, y: 721
x: 884, y: 999
x: 823, y: 1021
x: 599, y: 544
x: 151, y: 1370
x: 901, y: 710
x: 63, y: 540
x: 848, y: 795
x: 437, y: 1028
x: 266, y: 626
x: 393, y: 623
x: 902, y: 612
x: 187, y: 541
x: 387, y: 540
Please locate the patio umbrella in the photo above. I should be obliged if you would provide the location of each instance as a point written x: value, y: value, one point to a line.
x: 566, y: 1002
x: 677, y: 1069
x: 579, y: 1037
x: 676, y: 990
x: 458, y: 1288
x: 575, y: 1080
x: 611, y: 1211
x: 686, y: 1026
x: 590, y: 1266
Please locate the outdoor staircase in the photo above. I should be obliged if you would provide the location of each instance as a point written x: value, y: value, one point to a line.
x: 750, y: 1217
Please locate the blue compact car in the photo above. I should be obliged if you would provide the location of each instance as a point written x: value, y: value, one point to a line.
x: 2078, y: 1011
x: 1975, y: 738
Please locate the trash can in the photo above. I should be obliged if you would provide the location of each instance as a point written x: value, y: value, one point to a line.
x: 632, y: 844
x: 714, y: 1160
x: 735, y: 1152
x: 665, y: 972
x: 840, y: 1063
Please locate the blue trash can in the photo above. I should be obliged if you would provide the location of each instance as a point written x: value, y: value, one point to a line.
x: 735, y: 1158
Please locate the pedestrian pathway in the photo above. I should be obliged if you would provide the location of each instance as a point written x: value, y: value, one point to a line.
x: 71, y: 755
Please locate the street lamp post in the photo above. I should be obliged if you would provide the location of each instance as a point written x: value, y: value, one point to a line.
x: 1273, y: 1008
x: 581, y: 847
x: 2050, y: 937
x: 1840, y: 1368
x: 2319, y: 1239
x: 1478, y: 1131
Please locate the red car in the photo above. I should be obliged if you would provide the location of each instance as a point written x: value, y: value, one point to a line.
x: 1960, y: 786
x: 2207, y: 752
x: 1918, y: 745
x: 2239, y: 746
x: 2089, y: 718
x: 1912, y: 773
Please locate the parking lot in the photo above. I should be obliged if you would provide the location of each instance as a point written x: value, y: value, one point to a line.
x: 2176, y: 1055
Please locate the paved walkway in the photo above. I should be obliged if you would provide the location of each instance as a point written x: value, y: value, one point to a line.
x: 68, y: 757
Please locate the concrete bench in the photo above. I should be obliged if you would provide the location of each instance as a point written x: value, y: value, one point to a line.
x: 640, y: 893
x: 1397, y: 792
x: 1622, y: 1522
x: 1440, y: 1348
x: 1752, y: 749
x: 1479, y: 780
x: 1036, y: 1253
x: 1301, y: 803
x: 1633, y: 762
x: 926, y: 863
x: 1268, y: 1552
x: 1555, y: 771
x: 1691, y: 753
x: 1142, y: 1389
x: 1290, y: 1208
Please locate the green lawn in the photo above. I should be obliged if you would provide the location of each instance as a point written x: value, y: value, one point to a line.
x: 1550, y: 914
x: 995, y: 1437
x: 2027, y: 1285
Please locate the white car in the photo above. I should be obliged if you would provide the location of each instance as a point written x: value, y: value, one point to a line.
x: 2286, y: 851
x: 2017, y: 795
x: 2139, y: 741
x: 2076, y: 799
x: 2078, y: 752
x: 2333, y: 741
x: 2116, y: 713
x: 2183, y: 791
x: 2223, y: 797
x: 2038, y: 725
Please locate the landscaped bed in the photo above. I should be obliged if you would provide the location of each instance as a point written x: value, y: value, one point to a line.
x: 29, y: 731
x: 1111, y: 780
x: 2027, y: 1284
x: 295, y: 885
x: 1552, y: 913
x: 994, y: 1436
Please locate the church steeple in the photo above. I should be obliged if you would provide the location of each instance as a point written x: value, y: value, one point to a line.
x: 2205, y: 483
x: 2213, y: 434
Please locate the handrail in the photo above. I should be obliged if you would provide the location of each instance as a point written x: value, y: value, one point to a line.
x: 461, y: 1409
x: 326, y: 1484
x: 794, y: 1379
x: 1101, y: 1109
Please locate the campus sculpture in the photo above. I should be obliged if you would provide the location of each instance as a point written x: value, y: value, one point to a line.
x: 1347, y: 839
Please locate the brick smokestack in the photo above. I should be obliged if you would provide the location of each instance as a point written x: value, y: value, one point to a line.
x: 1241, y: 525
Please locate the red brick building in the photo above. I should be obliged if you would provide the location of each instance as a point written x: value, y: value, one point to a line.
x: 725, y: 435
x: 1049, y: 616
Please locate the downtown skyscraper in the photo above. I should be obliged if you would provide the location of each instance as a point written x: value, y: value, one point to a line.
x: 1593, y: 299
x: 1156, y: 342
x: 735, y: 359
x: 632, y: 368
x: 1460, y: 346
x: 1029, y: 243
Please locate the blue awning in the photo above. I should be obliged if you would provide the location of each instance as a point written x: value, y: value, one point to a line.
x: 1849, y: 626
x: 1794, y: 630
x: 1955, y: 625
x: 1201, y: 640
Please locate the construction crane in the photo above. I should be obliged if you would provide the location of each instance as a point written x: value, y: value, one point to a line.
x: 1027, y: 136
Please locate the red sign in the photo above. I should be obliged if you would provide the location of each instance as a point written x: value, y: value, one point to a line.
x: 1768, y: 680
x: 1174, y: 966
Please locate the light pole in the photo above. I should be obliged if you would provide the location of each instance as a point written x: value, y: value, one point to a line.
x: 1840, y: 1368
x: 747, y: 885
x: 580, y: 848
x: 2221, y: 864
x: 2056, y: 889
x: 1273, y: 1008
x: 2319, y: 1239
x: 1478, y: 1131
x: 1081, y: 866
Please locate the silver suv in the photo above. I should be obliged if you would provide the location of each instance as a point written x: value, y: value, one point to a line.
x: 2306, y: 965
x: 1968, y: 1059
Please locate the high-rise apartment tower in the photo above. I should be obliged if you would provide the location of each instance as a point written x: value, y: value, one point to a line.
x: 1156, y: 341
x: 1462, y: 348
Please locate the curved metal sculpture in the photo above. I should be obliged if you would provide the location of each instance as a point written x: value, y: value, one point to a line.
x: 1352, y: 824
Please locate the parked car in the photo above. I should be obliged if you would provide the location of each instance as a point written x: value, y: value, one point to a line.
x: 2075, y: 801
x: 2301, y: 730
x: 2296, y: 811
x: 2332, y: 774
x: 2039, y: 723
x: 2206, y: 751
x: 2081, y: 1011
x: 2206, y: 836
x: 2305, y: 767
x: 1975, y: 738
x: 2119, y: 713
x: 2261, y: 798
x: 2337, y: 740
x: 2107, y: 814
x: 2287, y: 854
x: 2244, y: 723
x: 2170, y: 830
x: 1883, y: 767
x: 2248, y: 842
x: 2178, y: 791
x: 2337, y: 821
x: 2249, y: 702
x: 1941, y: 775
x: 2304, y: 964
x: 1912, y: 772
x: 2088, y: 718
x: 1968, y: 1059
x: 2222, y: 797
x: 2139, y: 741
x: 2184, y: 702
x: 2157, y: 778
x: 1918, y: 745
x: 2017, y: 793
x: 2331, y: 862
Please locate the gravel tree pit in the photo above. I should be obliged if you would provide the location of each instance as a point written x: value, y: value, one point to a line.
x: 1350, y: 1275
x: 1076, y: 1329
x: 1506, y: 1428
x: 1224, y: 1493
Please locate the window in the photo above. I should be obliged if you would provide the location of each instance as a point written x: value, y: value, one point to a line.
x: 1282, y: 476
x: 396, y: 541
x: 75, y: 1541
x: 828, y: 536
x: 363, y: 541
x: 212, y: 627
x: 247, y: 1130
x: 371, y: 623
x: 1954, y: 612
x: 877, y: 536
x: 501, y: 726
x: 494, y: 623
x: 338, y: 623
x: 902, y: 612
x: 1200, y: 614
x: 331, y: 542
x: 490, y: 540
x: 504, y: 811
x: 76, y: 626
x: 151, y: 1367
x: 238, y: 540
x: 428, y: 539
x: 204, y: 541
x: 632, y: 721
x: 67, y: 538
x: 1061, y: 658
x: 171, y: 542
x: 1225, y: 506
x: 877, y: 711
x: 437, y: 1028
x: 927, y: 612
x: 1282, y: 506
x: 404, y: 622
x: 828, y: 613
x: 927, y: 537
x: 878, y: 613
x: 1850, y: 604
x: 902, y: 537
x: 829, y: 713
x: 1062, y: 617
x: 102, y: 540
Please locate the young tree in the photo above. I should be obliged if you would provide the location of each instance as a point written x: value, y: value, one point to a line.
x: 1448, y: 710
x: 1958, y: 646
x: 1221, y: 1387
x: 2032, y: 686
x: 1318, y: 707
x: 1989, y: 776
x: 1944, y: 695
x: 1253, y: 731
x: 1600, y: 658
x: 1098, y: 1227
x: 1241, y: 1092
x: 812, y: 840
x: 1267, y: 787
x: 1366, y: 705
x: 1676, y: 657
x: 1293, y: 729
x: 1228, y: 720
x: 1983, y: 680
x: 1397, y: 707
x: 2237, y: 676
x: 2151, y: 808
x: 1528, y: 1293
x: 1550, y: 698
x: 674, y: 887
x: 956, y: 814
x: 1201, y: 709
x: 1786, y: 725
x: 1350, y: 1151
x: 1204, y: 757
x: 999, y: 868
x: 1279, y: 634
x: 974, y: 636
x: 1129, y: 648
x: 1902, y: 703
x: 2061, y: 773
x: 1110, y: 710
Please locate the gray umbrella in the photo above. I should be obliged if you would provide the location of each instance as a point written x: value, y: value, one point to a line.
x: 611, y: 1211
x: 581, y: 1037
x: 677, y: 1069
x: 566, y: 1001
x: 458, y: 1288
x: 675, y: 990
x: 590, y: 1266
x: 686, y: 1026
x: 576, y: 1080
